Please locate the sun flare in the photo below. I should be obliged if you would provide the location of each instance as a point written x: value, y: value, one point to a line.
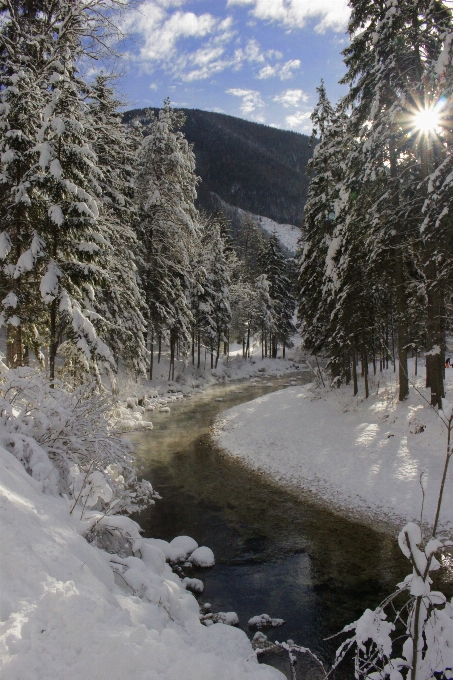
x: 427, y: 121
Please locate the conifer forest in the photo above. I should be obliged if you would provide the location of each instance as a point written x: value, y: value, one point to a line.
x: 226, y: 343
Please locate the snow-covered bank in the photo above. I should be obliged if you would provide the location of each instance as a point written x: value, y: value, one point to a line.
x: 136, y: 397
x: 82, y: 593
x: 362, y: 457
x: 64, y: 616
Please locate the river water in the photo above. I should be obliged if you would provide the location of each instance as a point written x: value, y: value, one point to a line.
x: 275, y: 553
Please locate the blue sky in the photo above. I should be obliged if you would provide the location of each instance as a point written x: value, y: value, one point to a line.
x: 256, y: 59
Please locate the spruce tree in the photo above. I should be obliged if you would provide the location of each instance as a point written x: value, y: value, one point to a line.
x: 276, y: 269
x: 167, y: 226
x: 118, y: 298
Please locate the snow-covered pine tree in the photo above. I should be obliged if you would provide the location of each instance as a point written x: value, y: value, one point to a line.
x: 60, y: 263
x: 119, y: 298
x: 70, y: 195
x: 434, y: 53
x: 386, y: 77
x: 276, y: 269
x: 167, y: 225
x: 265, y: 313
x: 318, y: 244
x: 218, y: 282
x: 21, y: 103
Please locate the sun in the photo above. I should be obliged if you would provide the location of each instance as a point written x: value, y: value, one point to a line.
x: 427, y: 121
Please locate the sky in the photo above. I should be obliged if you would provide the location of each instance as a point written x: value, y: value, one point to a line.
x: 257, y: 59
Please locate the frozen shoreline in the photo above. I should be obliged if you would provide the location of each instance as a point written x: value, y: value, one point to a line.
x: 362, y: 458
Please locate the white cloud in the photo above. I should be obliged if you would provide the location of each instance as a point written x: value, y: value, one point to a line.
x: 291, y: 98
x: 286, y: 70
x: 253, y: 52
x: 332, y: 14
x: 282, y: 71
x: 161, y: 32
x: 299, y: 119
x: 251, y: 100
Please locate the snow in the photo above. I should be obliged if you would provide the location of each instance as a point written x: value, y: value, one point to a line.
x: 69, y: 609
x: 263, y: 621
x: 202, y: 557
x: 5, y: 244
x: 56, y: 215
x: 49, y: 283
x: 287, y: 234
x: 193, y: 584
x: 365, y: 458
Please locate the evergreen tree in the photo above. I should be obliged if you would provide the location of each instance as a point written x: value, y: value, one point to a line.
x: 22, y: 101
x: 386, y: 71
x: 167, y: 226
x: 276, y: 270
x: 118, y: 299
x: 321, y: 232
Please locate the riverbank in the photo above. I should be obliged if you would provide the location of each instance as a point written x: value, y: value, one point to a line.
x: 137, y: 397
x: 72, y: 610
x: 363, y: 458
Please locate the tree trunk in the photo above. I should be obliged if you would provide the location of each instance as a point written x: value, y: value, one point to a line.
x: 53, y: 339
x: 151, y: 362
x: 401, y: 302
x: 365, y: 371
x: 347, y: 368
x: 14, y: 356
x: 159, y: 348
x: 435, y: 358
x: 198, y: 350
x: 354, y: 371
x: 218, y: 351
x: 401, y: 306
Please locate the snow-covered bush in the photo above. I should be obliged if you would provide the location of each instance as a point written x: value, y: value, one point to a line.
x: 67, y: 441
x: 410, y: 634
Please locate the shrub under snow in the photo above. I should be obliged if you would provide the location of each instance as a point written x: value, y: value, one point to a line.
x: 67, y: 441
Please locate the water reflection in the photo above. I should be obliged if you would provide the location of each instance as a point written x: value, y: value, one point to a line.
x: 275, y: 553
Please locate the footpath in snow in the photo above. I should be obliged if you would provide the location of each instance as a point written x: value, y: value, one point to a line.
x: 364, y: 458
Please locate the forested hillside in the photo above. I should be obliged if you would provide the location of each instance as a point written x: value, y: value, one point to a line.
x: 254, y: 167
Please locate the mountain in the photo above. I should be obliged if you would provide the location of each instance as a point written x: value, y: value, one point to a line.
x: 247, y: 165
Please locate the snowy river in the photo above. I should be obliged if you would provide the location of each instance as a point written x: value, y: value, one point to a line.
x: 275, y: 553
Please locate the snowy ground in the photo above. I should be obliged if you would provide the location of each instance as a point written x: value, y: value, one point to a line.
x: 70, y: 610
x: 64, y: 614
x: 138, y: 397
x: 363, y: 457
x: 287, y: 234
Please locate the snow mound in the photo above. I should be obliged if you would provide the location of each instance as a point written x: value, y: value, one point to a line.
x: 181, y: 547
x: 72, y: 611
x: 194, y: 584
x: 264, y: 621
x: 202, y: 557
x: 227, y: 618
